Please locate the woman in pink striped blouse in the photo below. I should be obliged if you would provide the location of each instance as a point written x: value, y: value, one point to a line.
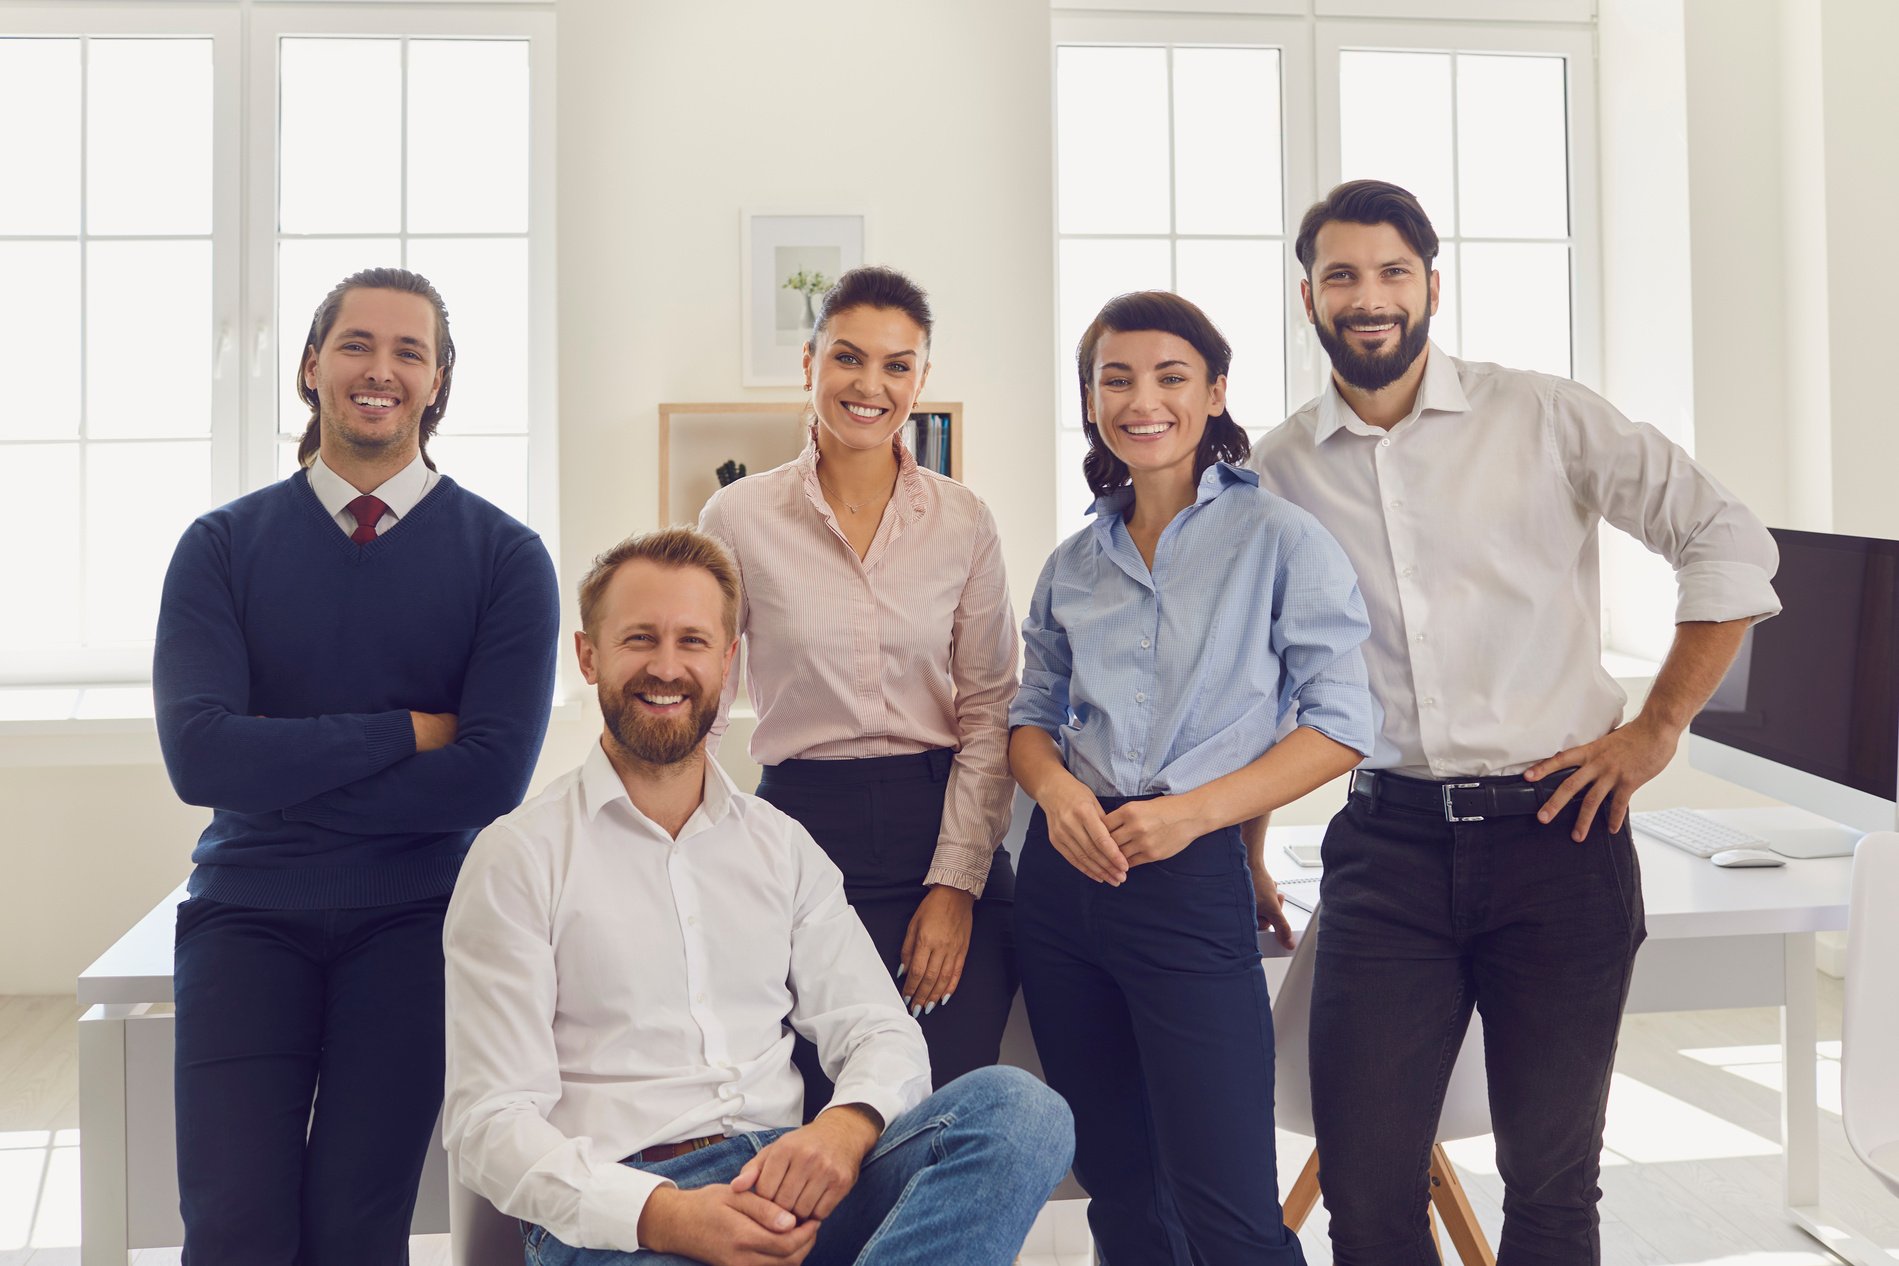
x: 880, y: 648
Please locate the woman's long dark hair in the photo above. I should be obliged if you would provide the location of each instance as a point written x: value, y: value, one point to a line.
x: 405, y: 282
x: 1163, y: 310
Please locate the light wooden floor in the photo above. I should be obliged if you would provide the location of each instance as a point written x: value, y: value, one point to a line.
x: 1691, y: 1176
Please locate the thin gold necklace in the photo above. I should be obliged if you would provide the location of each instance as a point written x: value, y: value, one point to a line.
x: 852, y: 506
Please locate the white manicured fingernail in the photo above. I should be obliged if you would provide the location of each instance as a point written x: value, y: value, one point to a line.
x: 902, y: 968
x: 916, y: 1011
x: 929, y: 1008
x: 947, y: 997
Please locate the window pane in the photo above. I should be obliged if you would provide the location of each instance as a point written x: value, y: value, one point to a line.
x: 1241, y: 286
x: 39, y: 339
x: 148, y: 144
x: 1512, y: 147
x: 139, y: 500
x: 1516, y: 305
x: 286, y: 458
x: 39, y: 133
x: 148, y: 338
x: 1226, y: 140
x: 492, y: 466
x: 468, y: 136
x: 1111, y: 142
x: 307, y: 270
x: 484, y: 285
x: 1072, y: 496
x: 340, y: 173
x: 39, y: 502
x: 1093, y: 272
x: 1395, y: 125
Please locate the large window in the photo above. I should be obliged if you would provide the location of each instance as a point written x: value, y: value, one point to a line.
x: 1188, y: 147
x: 162, y: 264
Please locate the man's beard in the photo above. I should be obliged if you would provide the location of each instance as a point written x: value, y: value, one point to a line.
x: 657, y: 740
x: 1374, y: 371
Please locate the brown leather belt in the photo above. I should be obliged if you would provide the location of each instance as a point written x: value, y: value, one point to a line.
x: 666, y: 1151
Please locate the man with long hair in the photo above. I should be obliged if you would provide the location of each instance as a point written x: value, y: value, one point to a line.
x: 353, y: 671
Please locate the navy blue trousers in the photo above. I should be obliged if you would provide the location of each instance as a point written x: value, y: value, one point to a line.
x: 1150, y: 1013
x: 283, y: 1011
x: 878, y: 818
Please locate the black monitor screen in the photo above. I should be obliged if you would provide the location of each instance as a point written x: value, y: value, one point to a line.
x: 1817, y: 686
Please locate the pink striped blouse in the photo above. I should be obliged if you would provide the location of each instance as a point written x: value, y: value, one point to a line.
x: 912, y: 648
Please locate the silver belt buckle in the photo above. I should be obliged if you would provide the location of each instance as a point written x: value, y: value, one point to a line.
x: 1448, y: 788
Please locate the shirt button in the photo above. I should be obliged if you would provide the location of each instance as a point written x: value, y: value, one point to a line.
x: 1140, y: 697
x: 1427, y: 702
x: 1145, y: 643
x: 1409, y: 571
x: 1384, y: 443
x: 1396, y: 502
x: 698, y: 997
x: 1424, y: 637
x: 692, y: 920
x: 1133, y: 755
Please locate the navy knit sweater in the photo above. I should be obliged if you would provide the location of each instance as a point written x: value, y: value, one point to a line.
x: 287, y: 663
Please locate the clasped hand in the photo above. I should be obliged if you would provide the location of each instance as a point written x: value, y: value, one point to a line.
x: 1104, y: 846
x: 770, y: 1212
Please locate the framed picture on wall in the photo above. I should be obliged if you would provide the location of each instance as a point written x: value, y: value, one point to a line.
x: 787, y: 263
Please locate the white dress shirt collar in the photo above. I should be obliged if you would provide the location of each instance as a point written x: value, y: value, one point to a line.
x: 399, y: 493
x: 600, y: 785
x: 1440, y: 391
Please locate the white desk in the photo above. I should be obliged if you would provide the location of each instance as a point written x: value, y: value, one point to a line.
x: 128, y: 1165
x: 1731, y: 938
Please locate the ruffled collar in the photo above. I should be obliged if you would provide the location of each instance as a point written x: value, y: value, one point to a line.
x: 912, y: 495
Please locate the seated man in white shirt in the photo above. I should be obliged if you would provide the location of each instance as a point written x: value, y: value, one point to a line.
x: 628, y: 955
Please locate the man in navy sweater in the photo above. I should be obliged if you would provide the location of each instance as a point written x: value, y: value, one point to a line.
x: 353, y: 670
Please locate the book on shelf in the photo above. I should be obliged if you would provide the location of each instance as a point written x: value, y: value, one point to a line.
x: 930, y: 441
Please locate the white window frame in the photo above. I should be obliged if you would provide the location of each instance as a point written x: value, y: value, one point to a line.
x: 245, y: 345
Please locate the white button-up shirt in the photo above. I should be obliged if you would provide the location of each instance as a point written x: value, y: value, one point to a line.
x: 1472, y: 524
x: 399, y: 494
x: 611, y: 988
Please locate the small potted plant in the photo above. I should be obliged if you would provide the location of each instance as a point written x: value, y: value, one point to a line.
x: 808, y: 282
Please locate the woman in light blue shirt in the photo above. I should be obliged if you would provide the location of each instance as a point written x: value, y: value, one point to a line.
x: 1166, y: 644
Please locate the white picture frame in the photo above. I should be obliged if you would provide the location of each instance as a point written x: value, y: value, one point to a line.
x: 772, y: 247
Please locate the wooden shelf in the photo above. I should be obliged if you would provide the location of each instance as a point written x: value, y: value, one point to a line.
x: 696, y: 438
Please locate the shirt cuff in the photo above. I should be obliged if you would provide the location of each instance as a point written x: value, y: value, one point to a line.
x: 889, y: 1102
x: 1717, y: 591
x: 609, y: 1212
x: 955, y: 866
x: 389, y: 736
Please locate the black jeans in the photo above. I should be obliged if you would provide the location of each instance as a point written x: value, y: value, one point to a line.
x: 1151, y: 1016
x: 1423, y: 919
x: 878, y: 819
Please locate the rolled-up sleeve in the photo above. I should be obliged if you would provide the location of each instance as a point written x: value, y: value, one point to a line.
x: 1047, y: 661
x: 1319, y: 625
x: 980, y: 792
x: 1642, y: 482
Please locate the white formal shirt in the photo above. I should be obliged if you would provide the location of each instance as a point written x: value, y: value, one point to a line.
x: 400, y: 493
x: 1472, y: 524
x: 611, y: 988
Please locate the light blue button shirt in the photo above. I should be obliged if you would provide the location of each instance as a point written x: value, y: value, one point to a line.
x: 1162, y: 681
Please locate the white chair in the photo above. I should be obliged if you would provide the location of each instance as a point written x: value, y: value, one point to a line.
x: 478, y: 1233
x: 1466, y: 1111
x: 1869, y: 1045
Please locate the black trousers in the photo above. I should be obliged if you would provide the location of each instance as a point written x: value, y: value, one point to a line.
x: 878, y: 819
x: 280, y: 1008
x: 1150, y: 1013
x: 1424, y: 919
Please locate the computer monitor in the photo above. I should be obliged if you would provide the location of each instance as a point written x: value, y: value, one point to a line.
x: 1809, y: 713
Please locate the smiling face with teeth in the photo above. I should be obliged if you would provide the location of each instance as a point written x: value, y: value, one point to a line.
x: 657, y: 656
x: 1150, y: 398
x: 374, y: 375
x: 865, y: 371
x: 1370, y: 300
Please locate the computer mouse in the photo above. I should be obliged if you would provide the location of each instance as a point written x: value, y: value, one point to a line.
x: 1730, y: 857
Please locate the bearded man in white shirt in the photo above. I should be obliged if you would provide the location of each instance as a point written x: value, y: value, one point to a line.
x: 1483, y: 856
x: 629, y: 954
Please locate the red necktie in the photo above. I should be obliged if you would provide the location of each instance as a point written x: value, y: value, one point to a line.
x: 368, y: 512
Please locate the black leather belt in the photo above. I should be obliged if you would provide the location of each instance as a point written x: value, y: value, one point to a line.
x: 1457, y: 799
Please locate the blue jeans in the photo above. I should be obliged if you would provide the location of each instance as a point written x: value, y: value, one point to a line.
x: 955, y: 1181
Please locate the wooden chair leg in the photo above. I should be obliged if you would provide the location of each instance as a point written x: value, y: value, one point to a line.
x: 1304, y: 1195
x: 1460, y: 1220
x: 1430, y: 1220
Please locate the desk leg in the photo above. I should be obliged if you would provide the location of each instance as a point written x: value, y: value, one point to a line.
x: 102, y: 1196
x: 1800, y: 1111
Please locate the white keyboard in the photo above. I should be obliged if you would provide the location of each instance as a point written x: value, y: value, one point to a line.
x: 1691, y: 832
